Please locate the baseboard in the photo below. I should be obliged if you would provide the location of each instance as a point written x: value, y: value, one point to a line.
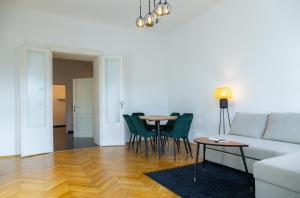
x: 59, y: 126
x: 9, y: 156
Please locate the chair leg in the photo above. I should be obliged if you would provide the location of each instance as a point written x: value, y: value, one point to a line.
x: 178, y: 145
x: 140, y: 143
x: 174, y: 149
x: 129, y: 140
x: 190, y: 148
x: 151, y: 142
x: 137, y: 144
x: 162, y: 145
x: 185, y: 146
x: 146, y: 144
x: 165, y: 144
x: 133, y: 141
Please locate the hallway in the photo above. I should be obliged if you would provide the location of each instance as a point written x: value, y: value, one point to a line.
x: 64, y: 141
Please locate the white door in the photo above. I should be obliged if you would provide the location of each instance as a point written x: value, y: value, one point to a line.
x: 83, y: 100
x: 113, y: 132
x: 36, y: 102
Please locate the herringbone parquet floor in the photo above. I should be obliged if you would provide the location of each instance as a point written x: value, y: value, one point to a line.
x: 94, y: 172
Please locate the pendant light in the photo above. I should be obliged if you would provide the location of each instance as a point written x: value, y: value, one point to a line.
x: 159, y: 9
x: 148, y: 18
x: 166, y: 8
x: 156, y: 18
x: 140, y: 21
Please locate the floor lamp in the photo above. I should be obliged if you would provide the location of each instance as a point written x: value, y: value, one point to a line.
x: 223, y: 94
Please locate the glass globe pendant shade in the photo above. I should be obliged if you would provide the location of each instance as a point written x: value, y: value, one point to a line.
x: 167, y: 8
x: 156, y: 18
x: 159, y: 9
x: 139, y: 22
x: 148, y: 20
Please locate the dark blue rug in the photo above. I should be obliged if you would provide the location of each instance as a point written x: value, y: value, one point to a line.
x: 215, y: 182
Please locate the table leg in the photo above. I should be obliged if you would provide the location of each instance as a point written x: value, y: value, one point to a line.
x: 158, y: 136
x: 204, y: 160
x: 246, y: 170
x: 196, y: 162
x: 244, y: 159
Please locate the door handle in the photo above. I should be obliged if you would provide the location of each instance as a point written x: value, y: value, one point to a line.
x: 122, y: 104
x: 74, y: 108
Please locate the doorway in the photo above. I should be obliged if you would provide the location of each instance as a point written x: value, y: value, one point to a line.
x: 36, y: 98
x: 73, y: 102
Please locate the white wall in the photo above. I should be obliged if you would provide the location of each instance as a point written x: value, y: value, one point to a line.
x: 253, y: 46
x: 145, y: 89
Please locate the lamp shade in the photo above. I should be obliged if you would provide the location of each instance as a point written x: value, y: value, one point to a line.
x: 223, y: 93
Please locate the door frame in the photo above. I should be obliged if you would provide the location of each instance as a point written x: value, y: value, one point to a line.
x: 97, y: 76
x: 98, y: 58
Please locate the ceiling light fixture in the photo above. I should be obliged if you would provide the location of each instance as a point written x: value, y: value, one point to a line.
x: 159, y: 9
x: 167, y: 8
x: 140, y: 21
x: 156, y: 18
x: 152, y: 18
x: 148, y: 18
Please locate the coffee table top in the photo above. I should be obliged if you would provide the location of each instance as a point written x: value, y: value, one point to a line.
x: 229, y: 143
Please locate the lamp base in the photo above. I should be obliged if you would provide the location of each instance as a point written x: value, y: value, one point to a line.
x: 223, y: 103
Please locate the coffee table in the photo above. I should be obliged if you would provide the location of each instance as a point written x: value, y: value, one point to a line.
x: 205, y: 141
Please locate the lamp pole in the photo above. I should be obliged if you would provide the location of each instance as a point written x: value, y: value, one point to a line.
x: 223, y: 94
x: 223, y: 108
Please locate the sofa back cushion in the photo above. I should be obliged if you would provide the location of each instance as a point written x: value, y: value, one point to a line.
x: 248, y: 124
x: 283, y: 127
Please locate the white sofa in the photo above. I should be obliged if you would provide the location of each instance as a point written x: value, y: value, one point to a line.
x: 273, y: 155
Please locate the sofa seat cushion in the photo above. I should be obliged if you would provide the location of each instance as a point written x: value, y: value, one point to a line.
x: 283, y: 171
x: 283, y: 127
x: 258, y: 148
x: 249, y: 124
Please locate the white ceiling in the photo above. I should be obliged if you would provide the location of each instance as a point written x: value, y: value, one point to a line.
x: 116, y: 12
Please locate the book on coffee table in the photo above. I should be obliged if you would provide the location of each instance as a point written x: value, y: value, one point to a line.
x: 217, y: 140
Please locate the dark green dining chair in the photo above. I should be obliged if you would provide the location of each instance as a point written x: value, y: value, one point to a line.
x: 142, y: 131
x: 170, y: 124
x: 180, y: 131
x: 148, y: 126
x: 132, y: 130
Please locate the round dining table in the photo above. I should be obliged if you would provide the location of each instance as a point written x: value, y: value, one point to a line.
x: 157, y: 119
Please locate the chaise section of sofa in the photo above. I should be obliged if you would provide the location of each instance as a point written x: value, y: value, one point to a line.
x: 268, y: 136
x: 278, y: 177
x: 259, y: 149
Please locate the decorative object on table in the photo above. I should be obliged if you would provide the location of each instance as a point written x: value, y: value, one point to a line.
x: 223, y: 94
x: 216, y: 181
x: 217, y: 140
x: 153, y: 17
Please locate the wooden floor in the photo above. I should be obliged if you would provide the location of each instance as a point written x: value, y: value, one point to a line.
x: 93, y: 172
